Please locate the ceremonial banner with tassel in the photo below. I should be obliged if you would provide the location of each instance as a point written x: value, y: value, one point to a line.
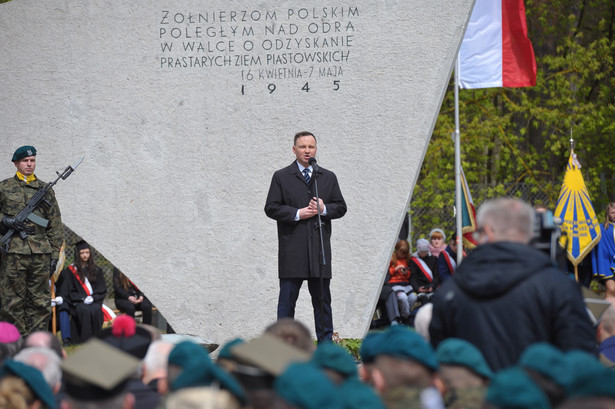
x: 575, y: 210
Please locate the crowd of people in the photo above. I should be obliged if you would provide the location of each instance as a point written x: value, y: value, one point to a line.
x: 130, y: 365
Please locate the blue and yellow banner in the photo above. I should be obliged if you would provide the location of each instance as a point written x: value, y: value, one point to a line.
x: 575, y: 210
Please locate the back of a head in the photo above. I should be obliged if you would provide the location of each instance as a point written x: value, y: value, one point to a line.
x: 509, y: 219
x: 45, y: 339
x: 607, y: 322
x: 202, y: 398
x: 292, y: 332
x: 157, y: 356
x: 15, y: 393
x: 46, y: 361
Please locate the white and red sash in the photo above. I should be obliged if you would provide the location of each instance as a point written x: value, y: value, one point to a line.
x: 107, y: 312
x: 450, y: 262
x: 423, y: 267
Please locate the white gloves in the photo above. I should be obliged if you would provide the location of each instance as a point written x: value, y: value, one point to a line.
x: 57, y: 301
x: 88, y: 300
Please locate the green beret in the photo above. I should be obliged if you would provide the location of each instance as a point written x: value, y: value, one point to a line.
x: 590, y: 378
x: 357, y: 395
x: 23, y: 152
x: 307, y: 387
x: 455, y: 351
x: 31, y: 376
x: 225, y: 351
x: 401, y: 342
x: 199, y: 370
x: 332, y: 356
x: 548, y: 361
x: 369, y: 347
x: 513, y: 388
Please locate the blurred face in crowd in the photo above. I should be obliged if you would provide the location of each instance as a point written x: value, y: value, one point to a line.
x: 84, y: 255
x: 436, y: 240
x: 26, y: 165
x: 612, y: 215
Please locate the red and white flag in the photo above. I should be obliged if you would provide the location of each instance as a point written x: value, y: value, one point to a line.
x: 495, y: 51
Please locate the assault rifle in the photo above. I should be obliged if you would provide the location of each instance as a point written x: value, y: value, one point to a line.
x: 27, y: 211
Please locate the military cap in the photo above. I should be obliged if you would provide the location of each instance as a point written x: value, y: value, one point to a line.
x: 513, y: 388
x: 269, y: 353
x: 97, y: 371
x: 332, y: 356
x: 33, y: 377
x: 23, y: 152
x: 357, y: 395
x: 369, y: 346
x: 199, y: 370
x: 401, y: 342
x: 225, y: 351
x: 590, y: 378
x: 548, y: 361
x: 8, y: 332
x: 125, y: 335
x: 455, y: 351
x: 307, y: 387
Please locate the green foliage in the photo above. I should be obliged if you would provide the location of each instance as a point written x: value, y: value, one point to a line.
x: 513, y: 136
x: 353, y: 345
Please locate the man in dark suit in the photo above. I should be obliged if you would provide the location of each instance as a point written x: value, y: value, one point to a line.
x: 292, y: 203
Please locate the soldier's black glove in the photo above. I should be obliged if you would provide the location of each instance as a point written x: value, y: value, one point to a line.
x: 52, y: 266
x: 11, y: 223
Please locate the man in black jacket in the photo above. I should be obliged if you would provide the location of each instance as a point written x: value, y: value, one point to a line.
x: 292, y: 203
x: 507, y: 295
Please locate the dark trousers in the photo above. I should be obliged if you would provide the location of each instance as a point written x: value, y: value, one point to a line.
x: 289, y: 292
x: 129, y: 308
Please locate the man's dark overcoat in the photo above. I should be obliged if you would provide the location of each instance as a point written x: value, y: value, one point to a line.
x: 299, y: 241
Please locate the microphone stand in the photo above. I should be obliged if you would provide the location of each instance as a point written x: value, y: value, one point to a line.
x: 322, y: 248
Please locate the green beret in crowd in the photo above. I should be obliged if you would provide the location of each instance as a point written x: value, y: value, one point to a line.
x: 369, y: 346
x: 590, y: 377
x: 332, y: 356
x: 307, y: 387
x: 31, y: 376
x: 199, y: 370
x: 455, y: 351
x: 512, y: 388
x: 225, y: 351
x: 401, y: 342
x: 548, y: 361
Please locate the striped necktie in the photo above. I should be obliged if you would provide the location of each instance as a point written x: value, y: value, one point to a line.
x: 306, y: 175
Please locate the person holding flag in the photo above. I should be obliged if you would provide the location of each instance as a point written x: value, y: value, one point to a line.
x: 603, y: 256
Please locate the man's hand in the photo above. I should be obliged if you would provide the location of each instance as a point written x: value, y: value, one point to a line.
x: 320, y: 202
x: 307, y: 212
x: 311, y: 210
x: 11, y: 223
x: 88, y: 300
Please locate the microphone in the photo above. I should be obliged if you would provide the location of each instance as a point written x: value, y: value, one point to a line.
x: 312, y: 161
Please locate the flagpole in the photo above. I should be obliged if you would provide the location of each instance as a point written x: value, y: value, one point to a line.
x: 458, y: 212
x: 576, y: 267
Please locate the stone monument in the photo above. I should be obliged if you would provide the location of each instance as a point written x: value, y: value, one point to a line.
x: 183, y: 110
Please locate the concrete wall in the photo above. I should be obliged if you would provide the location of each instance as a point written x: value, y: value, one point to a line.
x: 180, y: 144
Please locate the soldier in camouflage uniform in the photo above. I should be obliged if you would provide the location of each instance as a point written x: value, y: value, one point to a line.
x: 26, y: 268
